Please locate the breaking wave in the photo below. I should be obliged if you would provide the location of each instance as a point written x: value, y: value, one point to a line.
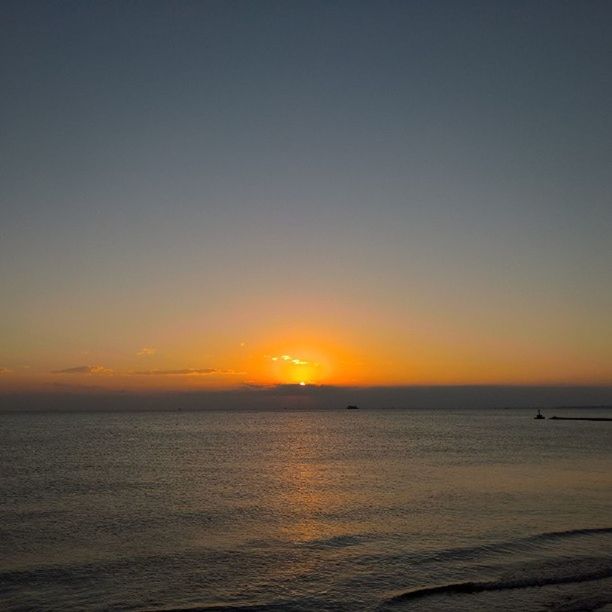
x: 559, y: 570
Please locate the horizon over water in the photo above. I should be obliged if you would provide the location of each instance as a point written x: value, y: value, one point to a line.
x: 414, y: 509
x: 312, y: 397
x: 223, y: 223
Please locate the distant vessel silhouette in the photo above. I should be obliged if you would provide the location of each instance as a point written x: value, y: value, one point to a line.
x: 352, y: 407
x: 539, y: 416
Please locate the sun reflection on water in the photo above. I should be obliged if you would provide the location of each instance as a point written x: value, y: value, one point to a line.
x: 308, y: 489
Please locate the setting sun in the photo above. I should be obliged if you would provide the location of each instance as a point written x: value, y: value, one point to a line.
x: 289, y: 368
x: 305, y: 305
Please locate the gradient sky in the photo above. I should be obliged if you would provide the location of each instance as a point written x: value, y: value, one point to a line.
x: 386, y: 193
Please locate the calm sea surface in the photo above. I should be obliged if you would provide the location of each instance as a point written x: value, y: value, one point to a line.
x: 346, y: 510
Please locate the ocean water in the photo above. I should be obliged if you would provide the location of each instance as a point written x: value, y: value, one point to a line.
x: 305, y: 510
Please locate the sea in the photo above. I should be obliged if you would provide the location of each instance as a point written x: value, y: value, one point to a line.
x: 306, y: 510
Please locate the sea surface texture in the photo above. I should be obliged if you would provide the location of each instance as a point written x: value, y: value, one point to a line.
x: 305, y: 510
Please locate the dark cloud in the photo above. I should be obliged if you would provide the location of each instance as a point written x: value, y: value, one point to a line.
x: 182, y: 372
x: 289, y: 388
x: 95, y: 369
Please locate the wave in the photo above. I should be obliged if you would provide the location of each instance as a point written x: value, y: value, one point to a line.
x: 570, y: 532
x: 525, y: 544
x: 339, y: 541
x: 601, y: 568
x: 225, y: 608
x: 270, y: 607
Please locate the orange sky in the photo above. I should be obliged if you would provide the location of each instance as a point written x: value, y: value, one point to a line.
x: 374, y: 356
x: 392, y: 197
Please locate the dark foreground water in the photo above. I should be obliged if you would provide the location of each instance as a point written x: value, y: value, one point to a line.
x: 346, y: 510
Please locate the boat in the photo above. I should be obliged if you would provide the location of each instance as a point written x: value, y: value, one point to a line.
x: 352, y: 407
x: 539, y: 416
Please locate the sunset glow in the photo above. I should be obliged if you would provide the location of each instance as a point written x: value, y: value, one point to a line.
x: 376, y: 217
x: 305, y: 305
x: 380, y: 360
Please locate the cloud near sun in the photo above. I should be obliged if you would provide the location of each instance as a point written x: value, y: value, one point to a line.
x: 290, y: 359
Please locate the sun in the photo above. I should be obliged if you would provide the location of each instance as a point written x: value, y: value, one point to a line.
x: 298, y: 366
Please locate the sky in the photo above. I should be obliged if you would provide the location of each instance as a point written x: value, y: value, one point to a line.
x: 229, y: 195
